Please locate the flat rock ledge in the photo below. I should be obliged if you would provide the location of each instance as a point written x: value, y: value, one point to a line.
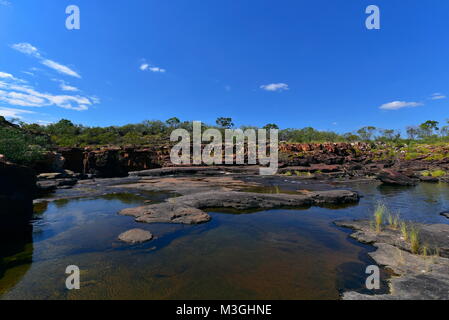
x: 135, y: 236
x: 416, y: 277
x: 189, y: 209
x: 199, y: 170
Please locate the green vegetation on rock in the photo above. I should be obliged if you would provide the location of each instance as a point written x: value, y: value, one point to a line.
x: 21, y: 146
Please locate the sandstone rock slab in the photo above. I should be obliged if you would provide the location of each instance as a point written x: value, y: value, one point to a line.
x: 189, y: 209
x: 135, y: 236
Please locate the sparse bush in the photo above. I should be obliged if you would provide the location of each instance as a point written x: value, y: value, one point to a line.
x: 438, y: 173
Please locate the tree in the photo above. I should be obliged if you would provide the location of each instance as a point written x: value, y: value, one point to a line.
x: 271, y: 126
x: 173, y: 122
x: 444, y: 131
x: 63, y: 127
x: 366, y: 133
x: 225, y: 123
x: 428, y: 128
x: 412, y: 132
x: 390, y: 135
x: 351, y: 137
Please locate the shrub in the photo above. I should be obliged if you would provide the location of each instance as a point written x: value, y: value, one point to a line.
x: 438, y: 173
x: 21, y: 147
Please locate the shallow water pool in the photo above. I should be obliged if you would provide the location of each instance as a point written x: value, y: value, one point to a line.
x: 275, y: 254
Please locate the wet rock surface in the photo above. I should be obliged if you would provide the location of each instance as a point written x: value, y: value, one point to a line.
x: 135, y: 236
x: 417, y: 276
x: 188, y: 209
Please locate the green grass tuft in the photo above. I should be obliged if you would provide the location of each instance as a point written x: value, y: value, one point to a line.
x: 414, y: 239
x: 404, y: 230
x: 379, y: 214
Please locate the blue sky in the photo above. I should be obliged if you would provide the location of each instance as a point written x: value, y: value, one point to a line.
x: 294, y: 63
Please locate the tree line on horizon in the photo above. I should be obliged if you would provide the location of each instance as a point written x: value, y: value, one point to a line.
x: 23, y: 142
x: 66, y: 133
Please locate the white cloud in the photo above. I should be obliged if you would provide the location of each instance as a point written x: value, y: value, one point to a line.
x: 144, y: 66
x: 66, y: 87
x: 60, y: 68
x: 437, y: 96
x: 147, y: 67
x: 26, y: 48
x: 13, y: 113
x: 95, y: 100
x: 275, y: 87
x: 157, y: 69
x: 15, y: 93
x: 5, y: 3
x: 43, y: 122
x: 29, y: 49
x: 5, y: 75
x: 396, y: 105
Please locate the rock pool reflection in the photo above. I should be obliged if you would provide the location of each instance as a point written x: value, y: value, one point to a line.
x: 275, y: 254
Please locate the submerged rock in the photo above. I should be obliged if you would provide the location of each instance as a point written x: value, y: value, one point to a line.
x: 135, y: 236
x: 445, y: 214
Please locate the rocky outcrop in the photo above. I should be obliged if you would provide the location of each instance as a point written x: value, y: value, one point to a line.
x: 202, y: 171
x: 328, y: 160
x: 112, y: 161
x: 391, y: 177
x: 416, y: 276
x: 189, y: 209
x: 135, y: 236
x: 429, y: 179
x: 17, y: 189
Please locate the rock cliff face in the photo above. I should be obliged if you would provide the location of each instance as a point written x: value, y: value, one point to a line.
x: 116, y: 162
x: 353, y: 159
x: 17, y: 189
x: 113, y: 162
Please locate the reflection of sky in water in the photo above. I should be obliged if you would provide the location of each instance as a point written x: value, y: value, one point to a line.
x: 273, y: 254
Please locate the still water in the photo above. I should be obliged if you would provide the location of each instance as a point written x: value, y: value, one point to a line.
x: 275, y: 254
